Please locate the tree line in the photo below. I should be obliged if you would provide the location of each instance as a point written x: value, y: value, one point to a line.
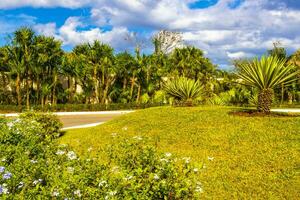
x: 35, y: 70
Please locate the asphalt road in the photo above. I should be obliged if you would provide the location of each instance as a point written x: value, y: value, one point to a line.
x: 76, y: 120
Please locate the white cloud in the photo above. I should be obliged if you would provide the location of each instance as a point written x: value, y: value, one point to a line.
x: 46, y: 29
x: 7, y: 4
x: 224, y: 33
x: 250, y: 28
x: 70, y: 33
x: 239, y: 54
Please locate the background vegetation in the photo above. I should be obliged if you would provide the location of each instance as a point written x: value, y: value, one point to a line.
x: 36, y: 72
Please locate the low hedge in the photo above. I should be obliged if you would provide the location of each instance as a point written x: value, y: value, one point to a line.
x: 78, y: 107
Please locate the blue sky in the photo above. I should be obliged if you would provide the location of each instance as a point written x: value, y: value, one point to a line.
x: 224, y: 29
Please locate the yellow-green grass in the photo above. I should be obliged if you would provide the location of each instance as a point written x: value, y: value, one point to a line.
x: 253, y: 157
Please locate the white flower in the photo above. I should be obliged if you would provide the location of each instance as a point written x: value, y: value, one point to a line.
x: 10, y: 125
x: 127, y: 178
x: 70, y: 170
x: 125, y: 128
x: 210, y: 158
x: 168, y: 154
x: 102, y: 183
x: 112, y: 193
x: 33, y: 161
x: 90, y: 149
x: 37, y: 181
x: 21, y: 184
x: 199, y: 189
x: 204, y: 166
x: 137, y: 138
x: 77, y: 192
x: 164, y: 160
x: 196, y: 169
x: 59, y: 152
x: 4, y: 189
x: 156, y: 177
x: 71, y: 155
x: 55, y: 194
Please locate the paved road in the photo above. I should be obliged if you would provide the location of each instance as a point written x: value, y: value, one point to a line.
x: 83, y: 119
x: 77, y: 120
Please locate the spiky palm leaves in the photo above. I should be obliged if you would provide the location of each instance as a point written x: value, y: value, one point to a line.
x: 266, y: 74
x: 185, y: 91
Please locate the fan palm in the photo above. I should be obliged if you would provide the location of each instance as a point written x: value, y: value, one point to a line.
x: 184, y: 90
x: 266, y: 74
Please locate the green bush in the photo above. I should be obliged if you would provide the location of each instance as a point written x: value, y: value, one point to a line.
x: 50, y: 124
x: 36, y: 167
x: 159, y: 96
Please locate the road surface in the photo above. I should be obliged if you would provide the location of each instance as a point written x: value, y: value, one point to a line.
x: 83, y: 119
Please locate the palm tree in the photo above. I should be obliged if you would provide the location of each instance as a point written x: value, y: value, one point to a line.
x: 23, y: 39
x: 266, y: 74
x: 48, y: 58
x: 4, y: 66
x: 16, y: 69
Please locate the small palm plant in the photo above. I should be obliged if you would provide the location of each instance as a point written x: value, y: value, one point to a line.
x: 185, y: 91
x: 266, y: 74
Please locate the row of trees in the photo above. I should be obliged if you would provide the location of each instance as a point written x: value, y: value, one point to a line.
x: 35, y: 70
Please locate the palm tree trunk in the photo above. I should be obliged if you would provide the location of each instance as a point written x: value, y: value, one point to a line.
x: 42, y: 101
x: 132, y: 86
x: 282, y: 94
x: 96, y: 85
x: 138, y: 94
x: 18, y: 90
x: 265, y: 100
x: 27, y: 95
x: 54, y: 100
x: 124, y: 84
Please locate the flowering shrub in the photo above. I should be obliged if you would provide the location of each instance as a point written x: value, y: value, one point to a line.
x: 49, y: 124
x: 34, y: 166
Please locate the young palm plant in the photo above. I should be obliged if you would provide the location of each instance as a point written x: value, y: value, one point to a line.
x: 185, y: 91
x: 266, y: 74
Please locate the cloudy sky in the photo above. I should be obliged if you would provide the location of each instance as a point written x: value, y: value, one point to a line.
x: 224, y: 29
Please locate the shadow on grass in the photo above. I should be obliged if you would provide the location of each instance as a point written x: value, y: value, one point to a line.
x: 250, y: 112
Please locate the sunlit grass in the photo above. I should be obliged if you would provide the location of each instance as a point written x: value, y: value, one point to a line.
x: 250, y: 157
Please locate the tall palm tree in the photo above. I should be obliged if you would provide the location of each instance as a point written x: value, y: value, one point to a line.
x: 16, y: 69
x: 4, y: 66
x: 48, y: 58
x: 266, y: 74
x: 23, y: 39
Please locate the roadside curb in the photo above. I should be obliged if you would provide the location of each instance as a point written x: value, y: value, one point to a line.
x: 286, y: 110
x: 82, y: 126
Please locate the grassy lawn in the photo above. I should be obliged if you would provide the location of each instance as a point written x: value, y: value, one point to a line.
x: 250, y: 157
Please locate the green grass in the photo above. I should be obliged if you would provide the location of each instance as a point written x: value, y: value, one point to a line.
x: 254, y: 157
